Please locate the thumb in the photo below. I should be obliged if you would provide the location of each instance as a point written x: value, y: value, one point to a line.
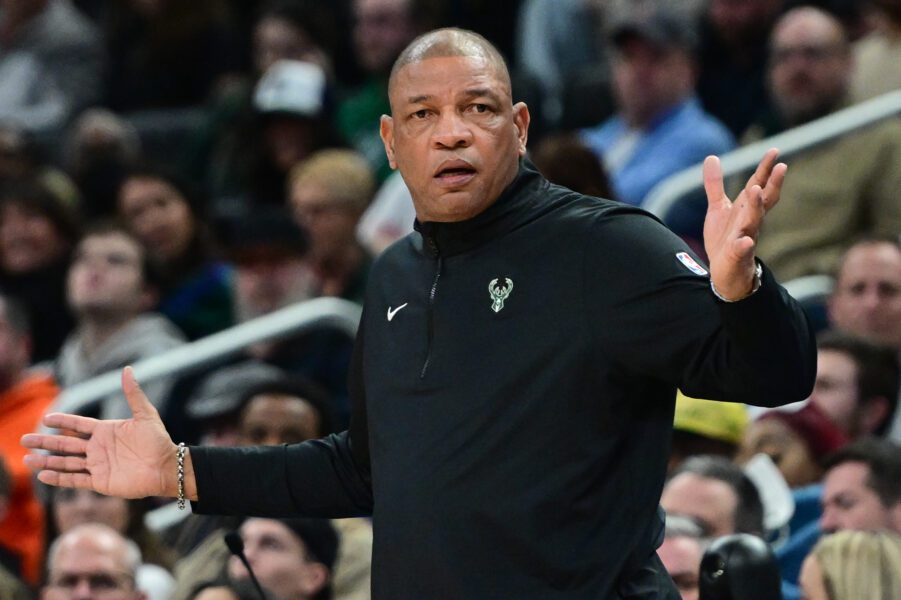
x: 140, y: 406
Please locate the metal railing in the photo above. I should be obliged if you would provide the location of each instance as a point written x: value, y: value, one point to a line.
x: 198, y: 354
x: 666, y: 194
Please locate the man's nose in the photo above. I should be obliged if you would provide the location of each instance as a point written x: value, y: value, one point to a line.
x: 829, y: 521
x: 452, y: 131
x: 82, y: 590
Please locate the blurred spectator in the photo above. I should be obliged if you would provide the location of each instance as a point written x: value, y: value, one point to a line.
x: 660, y: 127
x: 563, y: 159
x: 856, y: 384
x: 866, y: 301
x: 24, y: 397
x: 20, y: 160
x: 831, y: 196
x: 681, y: 551
x: 862, y: 487
x: 797, y: 442
x: 11, y: 586
x: 733, y: 58
x: 92, y: 561
x: 705, y: 427
x: 381, y: 29
x: 111, y: 288
x: 716, y: 494
x: 390, y: 215
x: 167, y: 53
x: 51, y: 63
x: 295, y: 30
x: 37, y: 233
x: 852, y: 565
x: 291, y: 557
x: 284, y: 412
x: 228, y: 590
x: 167, y: 215
x: 877, y: 56
x: 328, y: 193
x: 71, y: 508
x: 99, y: 148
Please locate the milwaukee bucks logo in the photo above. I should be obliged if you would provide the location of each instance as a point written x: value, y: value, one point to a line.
x: 499, y: 294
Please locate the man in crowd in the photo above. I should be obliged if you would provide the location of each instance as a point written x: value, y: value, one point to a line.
x: 681, y: 552
x: 523, y: 432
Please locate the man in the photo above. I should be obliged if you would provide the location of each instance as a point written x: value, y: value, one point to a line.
x: 521, y: 433
x: 856, y: 384
x: 92, y: 561
x: 660, y: 127
x: 24, y: 397
x: 716, y: 494
x: 839, y: 190
x: 862, y: 488
x: 866, y: 300
x: 681, y: 551
x: 111, y: 290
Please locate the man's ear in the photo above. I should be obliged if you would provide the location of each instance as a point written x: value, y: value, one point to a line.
x: 386, y: 131
x: 149, y: 297
x: 521, y: 120
x: 875, y: 412
x: 313, y: 577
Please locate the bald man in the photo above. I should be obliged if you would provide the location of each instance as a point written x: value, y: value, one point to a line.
x: 515, y: 370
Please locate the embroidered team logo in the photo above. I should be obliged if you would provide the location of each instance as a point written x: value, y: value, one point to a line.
x: 499, y: 293
x: 691, y: 264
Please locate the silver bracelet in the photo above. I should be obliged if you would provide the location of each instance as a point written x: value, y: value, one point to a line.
x: 758, y: 279
x: 180, y: 462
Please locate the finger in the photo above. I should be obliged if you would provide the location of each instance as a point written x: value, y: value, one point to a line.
x: 141, y: 408
x: 74, y: 423
x: 761, y: 174
x: 71, y: 480
x: 743, y: 248
x: 68, y: 464
x: 55, y: 443
x: 713, y: 180
x: 751, y: 211
x: 773, y: 190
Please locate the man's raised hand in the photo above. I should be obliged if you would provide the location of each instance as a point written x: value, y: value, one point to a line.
x: 130, y: 458
x: 731, y: 228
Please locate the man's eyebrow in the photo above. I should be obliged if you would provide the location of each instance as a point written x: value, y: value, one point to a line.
x: 418, y: 99
x: 486, y: 92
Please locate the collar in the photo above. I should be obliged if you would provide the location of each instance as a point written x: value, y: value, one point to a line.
x: 514, y: 207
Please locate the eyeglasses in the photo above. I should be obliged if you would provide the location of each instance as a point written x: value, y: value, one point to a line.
x: 99, y: 582
x: 807, y: 53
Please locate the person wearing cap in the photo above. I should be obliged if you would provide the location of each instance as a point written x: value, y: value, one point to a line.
x: 515, y: 368
x: 660, y: 127
x: 705, y: 427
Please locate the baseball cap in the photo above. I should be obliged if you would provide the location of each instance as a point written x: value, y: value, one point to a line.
x: 724, y: 421
x: 318, y: 535
x: 659, y: 25
x: 291, y: 87
x: 221, y: 392
x: 814, y: 427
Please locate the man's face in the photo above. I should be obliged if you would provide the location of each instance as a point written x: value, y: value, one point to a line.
x: 810, y: 67
x: 709, y: 502
x: 105, y: 275
x: 90, y: 570
x: 268, y: 282
x: 867, y: 297
x: 682, y: 558
x: 382, y: 28
x: 158, y: 215
x: 835, y: 390
x: 330, y: 222
x: 73, y: 507
x: 849, y: 503
x: 275, y: 419
x: 648, y: 79
x: 28, y: 240
x: 276, y: 39
x: 454, y: 134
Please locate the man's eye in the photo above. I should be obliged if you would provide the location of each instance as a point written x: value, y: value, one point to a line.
x: 480, y: 108
x: 421, y: 114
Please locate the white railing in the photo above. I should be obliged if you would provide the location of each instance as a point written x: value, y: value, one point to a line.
x: 195, y: 355
x: 666, y: 194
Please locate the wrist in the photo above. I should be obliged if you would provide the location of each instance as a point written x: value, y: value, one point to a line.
x: 188, y: 487
x: 730, y: 296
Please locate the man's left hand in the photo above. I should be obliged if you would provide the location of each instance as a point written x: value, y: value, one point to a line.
x: 731, y: 228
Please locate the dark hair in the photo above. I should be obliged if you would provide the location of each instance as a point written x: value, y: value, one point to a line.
x: 299, y: 387
x: 563, y: 159
x: 33, y: 197
x: 749, y: 509
x: 870, y: 239
x: 17, y: 314
x: 150, y: 272
x: 193, y: 195
x: 878, y: 372
x: 243, y: 589
x: 882, y: 458
x: 311, y: 16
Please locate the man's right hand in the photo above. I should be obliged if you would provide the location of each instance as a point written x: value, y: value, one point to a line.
x: 130, y: 458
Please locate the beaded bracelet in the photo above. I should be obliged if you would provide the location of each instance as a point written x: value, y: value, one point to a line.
x: 180, y: 461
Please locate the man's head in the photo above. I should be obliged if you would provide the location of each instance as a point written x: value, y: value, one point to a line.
x: 716, y: 494
x: 681, y: 552
x: 382, y: 28
x: 653, y: 63
x: 856, y: 384
x: 738, y: 22
x: 110, y: 275
x: 866, y: 300
x: 454, y: 132
x: 15, y: 340
x: 283, y: 412
x: 36, y: 228
x: 92, y: 561
x: 810, y: 65
x: 862, y: 487
x: 291, y: 557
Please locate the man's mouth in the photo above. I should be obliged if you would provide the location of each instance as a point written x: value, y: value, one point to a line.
x: 455, y: 173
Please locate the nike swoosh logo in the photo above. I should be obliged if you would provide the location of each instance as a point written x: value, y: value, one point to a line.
x: 393, y: 312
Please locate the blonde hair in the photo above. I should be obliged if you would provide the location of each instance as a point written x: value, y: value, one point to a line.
x: 344, y: 173
x: 860, y: 565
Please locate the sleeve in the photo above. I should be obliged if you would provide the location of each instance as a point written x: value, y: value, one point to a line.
x: 329, y: 477
x: 665, y: 322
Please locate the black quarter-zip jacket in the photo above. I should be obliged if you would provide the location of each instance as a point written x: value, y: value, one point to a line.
x: 513, y: 388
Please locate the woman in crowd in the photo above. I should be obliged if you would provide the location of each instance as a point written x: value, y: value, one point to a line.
x: 853, y: 565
